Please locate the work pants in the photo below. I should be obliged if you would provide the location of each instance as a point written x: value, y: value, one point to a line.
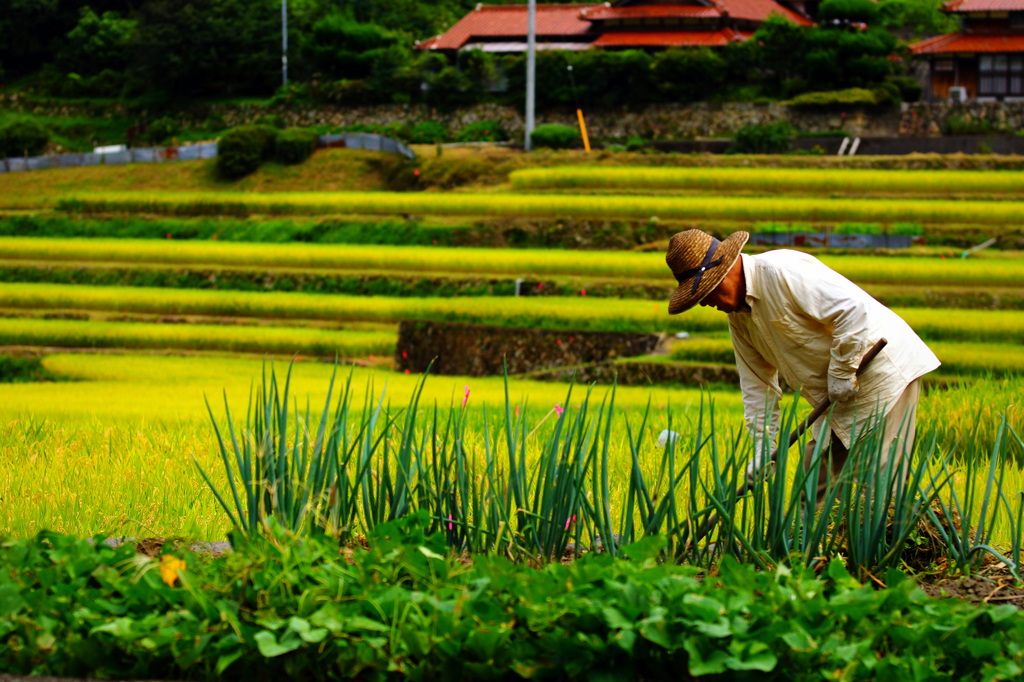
x: 899, y: 423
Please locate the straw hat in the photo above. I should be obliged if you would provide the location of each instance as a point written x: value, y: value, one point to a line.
x: 700, y: 262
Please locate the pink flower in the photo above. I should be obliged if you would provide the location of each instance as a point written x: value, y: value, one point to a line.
x: 569, y: 521
x: 404, y: 355
x: 465, y: 396
x: 406, y: 371
x: 450, y: 524
x: 583, y: 292
x: 559, y: 342
x: 559, y: 409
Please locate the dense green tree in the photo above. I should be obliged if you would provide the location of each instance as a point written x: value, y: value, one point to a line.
x: 798, y: 59
x: 913, y: 19
x: 97, y: 42
x: 210, y: 47
x: 30, y: 31
x: 848, y: 11
x: 415, y: 18
x: 689, y: 74
x: 339, y: 47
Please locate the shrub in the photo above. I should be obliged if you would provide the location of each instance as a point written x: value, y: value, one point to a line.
x: 635, y: 144
x: 768, y: 138
x: 23, y: 136
x: 482, y: 131
x: 161, y: 130
x: 863, y: 11
x: 836, y: 98
x: 910, y: 90
x: 555, y: 136
x: 294, y: 145
x: 957, y: 124
x: 241, y: 150
x: 428, y: 132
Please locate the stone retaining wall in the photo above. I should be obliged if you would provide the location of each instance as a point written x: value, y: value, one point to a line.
x: 472, y: 350
x: 664, y: 122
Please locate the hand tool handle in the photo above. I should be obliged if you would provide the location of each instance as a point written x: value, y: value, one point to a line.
x: 826, y: 403
x: 712, y: 518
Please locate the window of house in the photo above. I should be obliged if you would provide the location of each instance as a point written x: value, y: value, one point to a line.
x: 944, y: 65
x: 1001, y: 74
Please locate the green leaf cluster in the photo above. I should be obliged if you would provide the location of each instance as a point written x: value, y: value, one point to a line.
x: 401, y: 609
x: 243, y: 149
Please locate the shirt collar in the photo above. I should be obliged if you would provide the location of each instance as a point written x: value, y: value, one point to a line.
x: 750, y: 277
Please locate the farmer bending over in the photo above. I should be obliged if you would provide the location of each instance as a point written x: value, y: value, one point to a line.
x: 789, y: 314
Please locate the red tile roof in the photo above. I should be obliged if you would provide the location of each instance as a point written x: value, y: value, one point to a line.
x: 970, y: 42
x: 602, y: 13
x: 758, y: 10
x: 504, y: 21
x: 752, y: 10
x: 984, y: 6
x: 669, y: 38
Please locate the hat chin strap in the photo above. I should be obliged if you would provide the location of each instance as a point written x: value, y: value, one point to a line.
x: 698, y: 272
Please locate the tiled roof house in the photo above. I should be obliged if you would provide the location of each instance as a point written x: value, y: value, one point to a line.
x: 985, y: 59
x: 625, y: 24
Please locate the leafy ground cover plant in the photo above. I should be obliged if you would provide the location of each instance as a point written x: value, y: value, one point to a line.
x: 401, y: 608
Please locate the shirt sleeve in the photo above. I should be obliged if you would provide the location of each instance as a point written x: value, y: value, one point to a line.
x: 759, y: 382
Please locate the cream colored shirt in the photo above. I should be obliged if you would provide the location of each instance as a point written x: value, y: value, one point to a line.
x: 808, y: 321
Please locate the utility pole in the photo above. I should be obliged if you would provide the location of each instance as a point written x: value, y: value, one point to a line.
x: 531, y: 69
x: 284, y: 42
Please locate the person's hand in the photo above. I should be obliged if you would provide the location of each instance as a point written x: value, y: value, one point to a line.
x: 841, y: 389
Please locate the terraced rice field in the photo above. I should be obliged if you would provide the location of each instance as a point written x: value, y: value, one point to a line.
x: 731, y: 208
x: 200, y: 337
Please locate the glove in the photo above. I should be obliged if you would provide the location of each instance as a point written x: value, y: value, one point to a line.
x: 841, y: 389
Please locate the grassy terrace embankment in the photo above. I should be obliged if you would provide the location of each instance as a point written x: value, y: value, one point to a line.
x: 578, y: 313
x: 647, y: 266
x: 492, y: 205
x: 844, y: 182
x: 278, y: 340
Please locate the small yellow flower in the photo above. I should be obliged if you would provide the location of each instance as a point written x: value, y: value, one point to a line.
x: 169, y: 567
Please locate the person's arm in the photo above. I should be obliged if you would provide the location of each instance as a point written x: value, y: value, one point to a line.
x: 759, y: 382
